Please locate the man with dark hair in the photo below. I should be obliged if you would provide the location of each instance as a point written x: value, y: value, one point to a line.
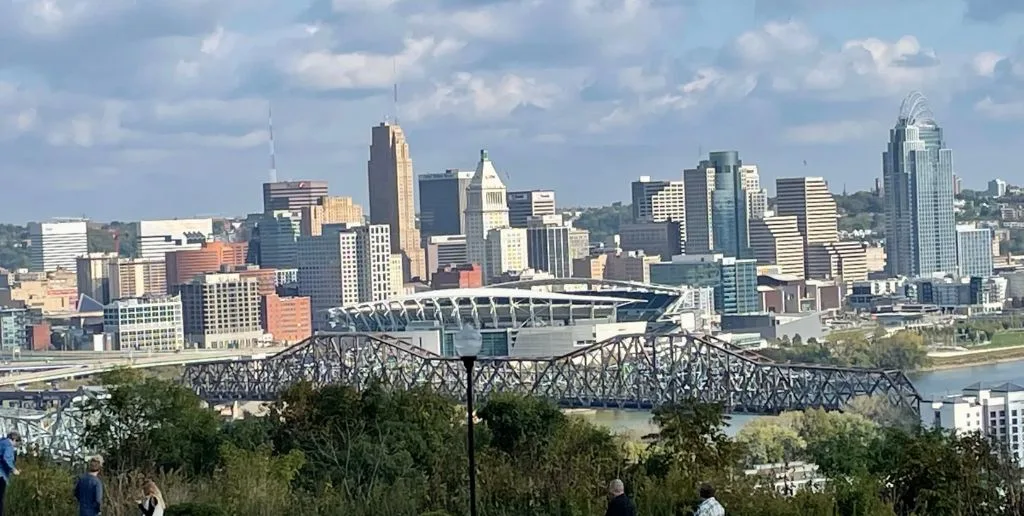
x: 8, y: 456
x: 619, y: 504
x: 708, y: 505
x: 89, y: 489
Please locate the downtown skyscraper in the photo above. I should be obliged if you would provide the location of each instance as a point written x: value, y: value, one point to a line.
x: 917, y: 174
x: 729, y: 219
x: 390, y: 178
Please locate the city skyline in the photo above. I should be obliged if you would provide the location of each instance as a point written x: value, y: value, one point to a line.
x: 625, y: 96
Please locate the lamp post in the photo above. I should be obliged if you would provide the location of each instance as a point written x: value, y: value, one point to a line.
x: 468, y: 342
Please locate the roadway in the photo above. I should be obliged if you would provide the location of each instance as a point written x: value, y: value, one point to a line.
x: 38, y: 368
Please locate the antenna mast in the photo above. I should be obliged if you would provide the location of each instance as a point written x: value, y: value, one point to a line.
x: 270, y: 130
x: 394, y: 72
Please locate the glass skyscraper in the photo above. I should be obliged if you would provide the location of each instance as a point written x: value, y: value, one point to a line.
x: 917, y: 170
x: 729, y: 206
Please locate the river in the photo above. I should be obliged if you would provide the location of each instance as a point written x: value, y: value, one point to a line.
x: 930, y: 384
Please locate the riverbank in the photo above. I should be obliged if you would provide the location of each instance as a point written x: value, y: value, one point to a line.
x: 973, y: 358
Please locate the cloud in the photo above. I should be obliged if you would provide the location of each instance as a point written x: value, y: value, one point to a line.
x: 833, y: 132
x: 992, y: 10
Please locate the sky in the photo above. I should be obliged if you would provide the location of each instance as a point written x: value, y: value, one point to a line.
x: 123, y: 109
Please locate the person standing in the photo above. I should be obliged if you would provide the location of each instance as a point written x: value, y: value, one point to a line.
x: 152, y: 503
x: 89, y: 489
x: 8, y: 457
x: 619, y: 504
x: 709, y: 506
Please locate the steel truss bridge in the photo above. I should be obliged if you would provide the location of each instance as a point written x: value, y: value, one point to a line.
x: 634, y: 371
x: 629, y: 372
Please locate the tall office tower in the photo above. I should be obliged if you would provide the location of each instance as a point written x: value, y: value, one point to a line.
x: 389, y: 173
x: 445, y: 250
x: 279, y: 230
x: 699, y: 183
x: 996, y: 188
x: 974, y: 251
x: 443, y: 202
x: 777, y: 241
x: 329, y: 210
x: 137, y: 277
x: 958, y: 185
x: 345, y: 264
x: 729, y: 217
x: 757, y: 197
x: 292, y: 195
x: 93, y: 275
x: 808, y: 199
x: 57, y: 244
x: 506, y: 252
x: 222, y: 310
x: 530, y: 203
x: 659, y: 201
x: 917, y: 170
x: 486, y: 209
x: 159, y: 237
x: 547, y: 247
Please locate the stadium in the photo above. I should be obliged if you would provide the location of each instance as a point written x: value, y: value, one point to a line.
x: 530, y: 319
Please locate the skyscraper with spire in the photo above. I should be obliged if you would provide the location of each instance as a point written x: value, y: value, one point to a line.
x: 486, y: 209
x: 390, y: 179
x: 917, y: 173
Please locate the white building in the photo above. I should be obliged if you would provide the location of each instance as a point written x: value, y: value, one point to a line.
x: 506, y: 250
x: 994, y: 410
x: 152, y: 323
x: 57, y: 244
x: 346, y: 265
x: 757, y: 197
x: 486, y: 209
x: 974, y: 251
x: 159, y: 237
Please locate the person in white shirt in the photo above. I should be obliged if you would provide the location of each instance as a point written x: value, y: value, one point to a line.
x: 709, y: 506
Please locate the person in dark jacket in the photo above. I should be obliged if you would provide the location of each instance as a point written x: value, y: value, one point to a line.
x: 8, y: 457
x: 619, y: 504
x: 89, y: 489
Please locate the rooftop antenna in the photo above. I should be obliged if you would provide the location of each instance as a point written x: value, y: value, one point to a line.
x: 270, y: 130
x: 394, y: 72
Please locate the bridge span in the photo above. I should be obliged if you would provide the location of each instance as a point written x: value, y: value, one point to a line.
x: 633, y: 371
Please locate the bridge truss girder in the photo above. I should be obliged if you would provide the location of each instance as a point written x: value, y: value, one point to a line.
x: 635, y: 371
x: 53, y: 430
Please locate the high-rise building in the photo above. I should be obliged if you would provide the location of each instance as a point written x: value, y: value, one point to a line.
x: 997, y: 188
x: 729, y: 205
x: 547, y: 247
x: 57, y: 245
x: 917, y: 170
x: 183, y: 266
x: 137, y: 277
x: 699, y: 183
x: 531, y: 203
x: 13, y: 328
x: 974, y: 251
x: 845, y: 262
x: 93, y: 275
x: 958, y: 184
x: 445, y: 250
x: 159, y: 237
x: 328, y: 210
x: 757, y: 197
x: 147, y: 323
x: 486, y: 209
x: 809, y: 200
x: 346, y: 264
x: 506, y: 250
x: 390, y: 177
x: 286, y: 319
x: 659, y: 201
x: 443, y: 202
x: 279, y: 231
x: 579, y: 243
x: 222, y: 310
x: 777, y: 241
x: 653, y: 238
x: 292, y: 195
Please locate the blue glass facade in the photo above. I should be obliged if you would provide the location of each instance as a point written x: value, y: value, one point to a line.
x: 729, y: 206
x: 734, y: 280
x: 917, y: 170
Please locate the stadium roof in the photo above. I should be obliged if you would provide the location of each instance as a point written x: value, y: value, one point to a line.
x: 493, y: 292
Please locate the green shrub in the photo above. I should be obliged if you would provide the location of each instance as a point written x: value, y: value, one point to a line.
x: 194, y: 509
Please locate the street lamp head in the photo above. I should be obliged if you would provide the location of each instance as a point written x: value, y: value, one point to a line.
x: 468, y: 341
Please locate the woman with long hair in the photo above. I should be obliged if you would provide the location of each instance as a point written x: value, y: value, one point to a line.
x: 152, y: 503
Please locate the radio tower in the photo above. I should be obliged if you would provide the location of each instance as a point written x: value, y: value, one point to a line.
x: 270, y: 129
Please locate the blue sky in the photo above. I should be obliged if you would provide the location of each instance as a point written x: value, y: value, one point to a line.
x: 121, y: 109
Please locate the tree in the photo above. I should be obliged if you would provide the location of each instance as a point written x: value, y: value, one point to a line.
x: 603, y: 221
x: 767, y: 442
x: 255, y: 482
x: 691, y: 436
x: 519, y: 423
x: 147, y: 424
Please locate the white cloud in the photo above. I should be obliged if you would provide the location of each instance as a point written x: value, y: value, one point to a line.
x: 323, y: 70
x: 470, y: 96
x: 1013, y: 110
x: 833, y: 132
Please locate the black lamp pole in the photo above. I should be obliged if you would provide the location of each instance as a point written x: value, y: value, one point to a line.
x: 470, y: 446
